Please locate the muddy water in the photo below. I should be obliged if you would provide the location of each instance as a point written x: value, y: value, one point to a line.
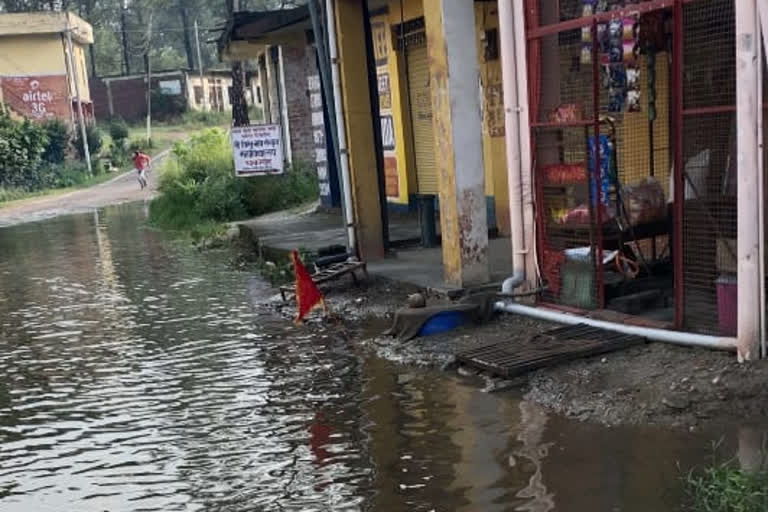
x: 139, y: 375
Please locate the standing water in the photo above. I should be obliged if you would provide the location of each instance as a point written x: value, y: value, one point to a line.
x: 137, y: 374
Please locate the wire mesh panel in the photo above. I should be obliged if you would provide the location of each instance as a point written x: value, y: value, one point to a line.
x: 709, y: 167
x: 601, y: 95
x: 565, y: 90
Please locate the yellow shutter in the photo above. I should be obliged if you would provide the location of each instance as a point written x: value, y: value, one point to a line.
x: 421, y: 115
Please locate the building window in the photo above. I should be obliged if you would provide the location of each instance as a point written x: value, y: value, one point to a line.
x: 258, y: 94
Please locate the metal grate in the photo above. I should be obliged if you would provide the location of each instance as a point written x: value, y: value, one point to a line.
x: 513, y: 358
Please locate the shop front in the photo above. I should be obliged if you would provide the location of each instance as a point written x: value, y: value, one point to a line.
x: 633, y: 139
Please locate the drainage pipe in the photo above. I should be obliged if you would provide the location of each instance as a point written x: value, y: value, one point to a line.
x: 524, y: 133
x: 341, y: 129
x: 663, y: 335
x: 761, y: 174
x: 512, y: 114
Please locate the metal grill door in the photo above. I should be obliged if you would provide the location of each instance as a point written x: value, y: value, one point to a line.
x: 421, y: 114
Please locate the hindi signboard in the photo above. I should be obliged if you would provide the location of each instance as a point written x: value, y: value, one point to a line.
x: 258, y: 150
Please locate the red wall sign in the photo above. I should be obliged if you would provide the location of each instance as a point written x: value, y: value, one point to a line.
x: 37, y: 97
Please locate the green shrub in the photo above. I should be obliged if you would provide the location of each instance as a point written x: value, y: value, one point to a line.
x: 118, y: 131
x: 57, y: 147
x: 70, y: 174
x: 12, y: 194
x: 22, y: 144
x: 166, y: 107
x: 206, y: 118
x: 199, y: 185
x: 95, y: 141
x: 140, y: 144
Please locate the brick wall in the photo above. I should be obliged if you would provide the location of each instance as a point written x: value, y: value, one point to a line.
x: 128, y: 95
x: 298, y: 64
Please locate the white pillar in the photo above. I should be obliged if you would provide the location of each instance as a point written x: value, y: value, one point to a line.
x: 748, y: 221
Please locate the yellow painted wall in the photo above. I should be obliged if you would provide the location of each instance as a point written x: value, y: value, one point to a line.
x: 494, y: 147
x: 82, y: 73
x: 395, y: 67
x: 410, y: 9
x: 42, y: 54
x: 36, y: 54
x: 633, y: 132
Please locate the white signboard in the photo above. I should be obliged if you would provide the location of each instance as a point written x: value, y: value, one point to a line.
x: 258, y: 150
x: 170, y: 87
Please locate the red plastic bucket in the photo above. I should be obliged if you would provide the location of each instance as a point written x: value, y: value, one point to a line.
x: 726, y: 304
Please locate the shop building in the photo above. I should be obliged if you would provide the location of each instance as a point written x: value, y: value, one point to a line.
x: 38, y: 80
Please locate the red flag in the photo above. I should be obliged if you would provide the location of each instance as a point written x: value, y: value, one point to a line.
x: 307, y: 294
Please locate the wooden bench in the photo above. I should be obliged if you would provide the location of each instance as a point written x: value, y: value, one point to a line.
x: 330, y: 273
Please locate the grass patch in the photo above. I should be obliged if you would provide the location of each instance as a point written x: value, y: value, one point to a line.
x: 71, y: 180
x: 723, y: 486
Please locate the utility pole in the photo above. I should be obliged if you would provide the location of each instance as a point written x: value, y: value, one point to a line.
x: 149, y: 79
x: 76, y: 78
x: 124, y: 38
x: 200, y: 63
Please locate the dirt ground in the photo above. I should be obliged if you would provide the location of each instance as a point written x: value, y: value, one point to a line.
x: 123, y: 188
x: 661, y: 384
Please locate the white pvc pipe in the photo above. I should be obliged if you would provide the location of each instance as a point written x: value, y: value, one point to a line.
x: 285, y: 120
x: 761, y: 174
x: 512, y: 113
x: 663, y: 335
x: 524, y: 134
x: 349, y: 216
x: 747, y: 209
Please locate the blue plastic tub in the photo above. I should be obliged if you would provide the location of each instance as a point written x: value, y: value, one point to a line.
x: 442, y: 322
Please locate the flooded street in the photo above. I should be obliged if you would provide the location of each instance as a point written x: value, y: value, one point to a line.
x: 137, y: 374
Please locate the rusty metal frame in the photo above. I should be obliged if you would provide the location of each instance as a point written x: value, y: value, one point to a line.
x: 679, y: 112
x: 585, y: 21
x: 678, y: 202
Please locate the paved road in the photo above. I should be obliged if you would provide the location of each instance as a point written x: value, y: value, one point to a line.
x: 122, y: 189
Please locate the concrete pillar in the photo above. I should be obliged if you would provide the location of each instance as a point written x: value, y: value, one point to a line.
x: 359, y: 122
x: 454, y: 79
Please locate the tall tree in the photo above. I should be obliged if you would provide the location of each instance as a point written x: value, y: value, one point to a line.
x: 239, y: 105
x: 124, y: 36
x: 187, y: 40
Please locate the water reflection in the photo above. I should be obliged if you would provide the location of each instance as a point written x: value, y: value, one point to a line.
x: 137, y: 374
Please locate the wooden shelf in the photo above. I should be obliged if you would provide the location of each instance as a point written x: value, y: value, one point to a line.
x: 611, y: 231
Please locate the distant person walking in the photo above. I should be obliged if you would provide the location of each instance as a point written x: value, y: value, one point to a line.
x: 141, y: 162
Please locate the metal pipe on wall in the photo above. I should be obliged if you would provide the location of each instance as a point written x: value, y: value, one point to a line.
x: 76, y: 79
x: 341, y: 129
x: 524, y: 135
x: 747, y: 207
x: 761, y: 172
x: 512, y: 115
